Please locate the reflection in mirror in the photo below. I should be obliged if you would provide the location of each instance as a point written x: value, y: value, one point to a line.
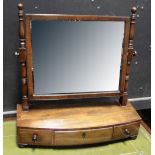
x: 83, y: 56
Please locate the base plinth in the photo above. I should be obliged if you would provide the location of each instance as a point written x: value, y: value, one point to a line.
x: 76, y: 125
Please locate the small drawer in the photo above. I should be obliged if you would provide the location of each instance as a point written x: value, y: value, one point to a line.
x: 35, y: 137
x: 79, y: 137
x: 126, y: 131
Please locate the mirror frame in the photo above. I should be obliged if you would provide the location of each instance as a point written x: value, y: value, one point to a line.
x: 26, y: 56
x: 32, y: 17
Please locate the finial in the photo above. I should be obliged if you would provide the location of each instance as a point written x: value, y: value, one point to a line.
x: 20, y: 6
x: 134, y: 10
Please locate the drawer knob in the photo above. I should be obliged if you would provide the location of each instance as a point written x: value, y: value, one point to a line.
x: 34, y: 137
x: 83, y: 135
x: 127, y: 132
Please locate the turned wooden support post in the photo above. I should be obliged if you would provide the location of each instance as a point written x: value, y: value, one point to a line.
x: 131, y: 53
x: 22, y: 53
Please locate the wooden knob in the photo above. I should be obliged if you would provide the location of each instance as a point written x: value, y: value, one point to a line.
x: 16, y: 53
x: 127, y: 132
x: 34, y: 137
x: 134, y: 53
x: 133, y: 9
x: 20, y: 6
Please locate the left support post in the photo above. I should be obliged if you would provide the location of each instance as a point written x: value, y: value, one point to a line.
x: 22, y: 53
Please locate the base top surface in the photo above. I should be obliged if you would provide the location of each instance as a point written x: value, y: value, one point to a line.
x: 76, y: 117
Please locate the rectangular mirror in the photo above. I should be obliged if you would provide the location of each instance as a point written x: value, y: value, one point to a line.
x: 75, y: 57
x: 69, y: 57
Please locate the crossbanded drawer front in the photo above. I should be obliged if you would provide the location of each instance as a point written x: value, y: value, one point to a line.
x: 78, y: 137
x: 126, y: 131
x: 35, y: 137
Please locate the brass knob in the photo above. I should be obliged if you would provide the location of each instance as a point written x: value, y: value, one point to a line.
x: 34, y: 137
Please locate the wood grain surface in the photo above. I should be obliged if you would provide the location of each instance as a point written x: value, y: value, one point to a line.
x: 76, y: 124
x: 76, y: 117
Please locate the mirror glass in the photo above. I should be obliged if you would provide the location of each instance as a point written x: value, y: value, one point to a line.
x: 70, y: 57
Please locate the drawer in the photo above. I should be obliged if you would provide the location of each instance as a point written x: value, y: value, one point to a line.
x: 126, y: 131
x: 78, y: 137
x: 35, y: 137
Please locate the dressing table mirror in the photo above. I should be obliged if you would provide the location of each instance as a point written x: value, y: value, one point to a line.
x: 66, y: 57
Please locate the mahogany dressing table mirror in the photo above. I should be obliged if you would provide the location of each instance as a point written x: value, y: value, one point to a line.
x: 74, y: 57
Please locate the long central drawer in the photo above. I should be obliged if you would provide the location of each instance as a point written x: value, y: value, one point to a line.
x: 78, y: 137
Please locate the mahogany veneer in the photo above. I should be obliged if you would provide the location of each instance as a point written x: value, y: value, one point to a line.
x: 76, y: 125
x: 25, y: 54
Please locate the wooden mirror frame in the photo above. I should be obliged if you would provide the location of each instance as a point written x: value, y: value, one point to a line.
x: 25, y: 54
